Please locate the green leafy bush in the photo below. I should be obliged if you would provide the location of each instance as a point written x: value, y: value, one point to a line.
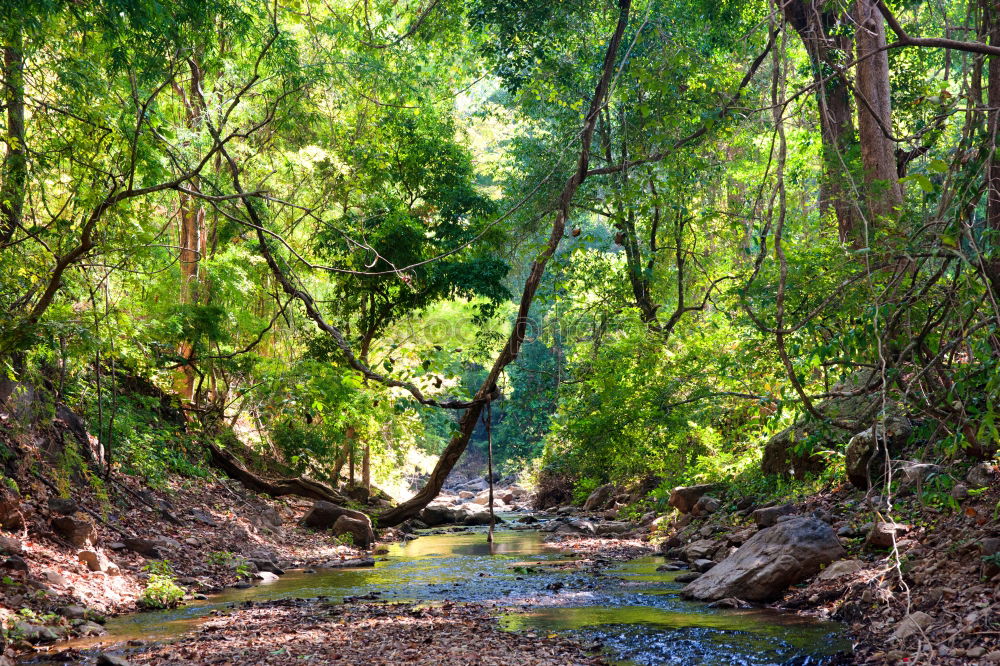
x: 162, y: 591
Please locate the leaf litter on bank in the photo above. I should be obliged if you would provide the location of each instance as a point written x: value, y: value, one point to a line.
x: 293, y: 631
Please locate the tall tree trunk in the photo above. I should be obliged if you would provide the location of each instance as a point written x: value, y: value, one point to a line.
x: 833, y: 100
x: 15, y: 165
x: 991, y: 17
x: 193, y: 236
x: 884, y: 194
x: 366, y: 468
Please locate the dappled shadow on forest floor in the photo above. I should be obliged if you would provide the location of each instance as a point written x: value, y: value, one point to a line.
x: 287, y: 631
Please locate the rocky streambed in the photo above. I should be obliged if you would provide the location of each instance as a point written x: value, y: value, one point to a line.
x: 610, y: 610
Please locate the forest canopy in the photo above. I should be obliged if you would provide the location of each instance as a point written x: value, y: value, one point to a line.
x: 643, y: 237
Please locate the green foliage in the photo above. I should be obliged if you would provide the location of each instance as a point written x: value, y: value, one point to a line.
x: 161, y: 590
x: 143, y: 443
x: 583, y: 488
x: 239, y: 564
x: 405, y: 191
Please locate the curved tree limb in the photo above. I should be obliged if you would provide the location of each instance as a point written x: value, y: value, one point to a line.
x: 510, y: 351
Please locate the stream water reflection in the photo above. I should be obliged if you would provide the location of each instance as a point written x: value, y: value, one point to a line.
x: 631, y: 609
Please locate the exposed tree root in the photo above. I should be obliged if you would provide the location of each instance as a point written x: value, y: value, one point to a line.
x: 301, y: 486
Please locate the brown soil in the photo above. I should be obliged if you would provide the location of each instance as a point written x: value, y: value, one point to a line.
x: 195, y: 549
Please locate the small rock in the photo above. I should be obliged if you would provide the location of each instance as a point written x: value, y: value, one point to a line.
x: 146, y: 547
x: 35, y: 633
x: 914, y: 623
x: 271, y: 518
x: 960, y: 492
x: 687, y: 577
x: 15, y: 563
x: 729, y: 602
x: 63, y: 506
x: 191, y: 541
x: 166, y: 542
x: 825, y: 516
x: 55, y: 578
x: 987, y: 547
x: 105, y: 659
x: 768, y: 516
x: 914, y: 473
x: 96, y: 561
x: 204, y: 517
x: 992, y: 657
x: 840, y: 568
x: 975, y: 652
x: 884, y: 534
x: 268, y: 566
x: 701, y: 566
x: 10, y: 545
x: 77, y: 529
x: 73, y: 612
x: 981, y: 475
x: 612, y: 528
x: 91, y: 629
x: 700, y: 550
x: 683, y: 498
x: 266, y: 576
x: 705, y: 506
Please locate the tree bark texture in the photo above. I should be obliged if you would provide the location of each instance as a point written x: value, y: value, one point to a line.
x: 991, y: 18
x: 15, y: 165
x: 883, y: 192
x: 813, y: 24
x: 193, y: 236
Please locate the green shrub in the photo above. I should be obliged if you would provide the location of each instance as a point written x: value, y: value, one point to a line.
x: 583, y: 488
x: 162, y: 591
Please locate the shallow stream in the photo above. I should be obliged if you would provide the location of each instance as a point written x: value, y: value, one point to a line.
x: 631, y: 609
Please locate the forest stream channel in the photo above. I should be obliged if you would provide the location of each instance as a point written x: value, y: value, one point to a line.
x: 632, y: 610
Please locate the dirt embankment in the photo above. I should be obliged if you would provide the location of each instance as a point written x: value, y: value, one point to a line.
x: 916, y: 580
x: 68, y: 562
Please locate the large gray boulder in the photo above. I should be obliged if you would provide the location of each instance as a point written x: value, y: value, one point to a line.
x: 683, y: 498
x: 770, y: 561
